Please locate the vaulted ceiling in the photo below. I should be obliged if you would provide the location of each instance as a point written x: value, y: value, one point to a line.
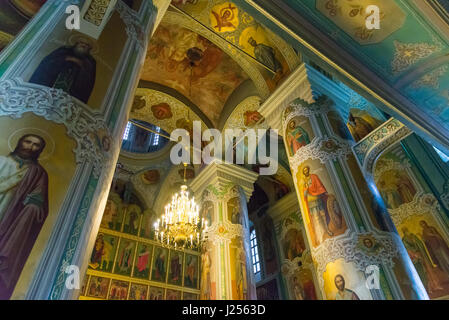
x: 209, y: 65
x: 403, y: 66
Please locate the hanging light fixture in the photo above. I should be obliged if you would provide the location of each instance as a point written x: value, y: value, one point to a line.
x: 180, y: 226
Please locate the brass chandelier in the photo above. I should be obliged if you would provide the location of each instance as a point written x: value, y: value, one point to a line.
x: 180, y: 226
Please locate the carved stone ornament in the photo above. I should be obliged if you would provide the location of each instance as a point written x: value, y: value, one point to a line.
x: 302, y: 108
x: 325, y: 150
x: 422, y: 204
x: 224, y: 231
x: 88, y: 130
x: 347, y: 247
x: 370, y: 148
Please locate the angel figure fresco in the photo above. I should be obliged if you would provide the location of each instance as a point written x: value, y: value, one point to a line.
x: 224, y: 17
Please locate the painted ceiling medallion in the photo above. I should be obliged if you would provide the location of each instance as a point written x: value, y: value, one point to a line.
x: 351, y: 17
x: 408, y: 54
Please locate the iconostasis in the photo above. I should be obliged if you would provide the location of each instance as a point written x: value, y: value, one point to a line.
x: 127, y: 264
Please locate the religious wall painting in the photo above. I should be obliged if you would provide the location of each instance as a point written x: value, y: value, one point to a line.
x: 84, y: 285
x: 118, y: 290
x: 103, y: 253
x: 98, y: 287
x: 37, y: 164
x: 125, y: 257
x: 256, y: 43
x: 173, y: 295
x: 351, y: 17
x: 162, y: 111
x: 207, y: 287
x: 298, y: 134
x: 429, y: 251
x: 252, y: 117
x: 147, y: 226
x: 207, y: 212
x: 113, y: 213
x: 194, y: 66
x: 301, y: 285
x: 14, y: 15
x: 138, y: 103
x: 396, y: 187
x: 338, y: 126
x: 138, y: 292
x: 175, y: 268
x: 361, y: 123
x: 343, y: 281
x: 143, y: 261
x: 268, y: 246
x: 133, y: 214
x: 293, y: 244
x: 160, y: 264
x: 224, y: 17
x: 191, y: 271
x: 189, y: 296
x: 78, y: 64
x: 235, y: 214
x: 151, y: 177
x: 156, y: 293
x: 369, y: 245
x: 268, y: 291
x: 188, y: 173
x: 322, y: 212
x: 240, y: 270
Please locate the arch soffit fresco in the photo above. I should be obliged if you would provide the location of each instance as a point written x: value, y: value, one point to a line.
x: 169, y: 120
x: 288, y: 53
x: 240, y: 58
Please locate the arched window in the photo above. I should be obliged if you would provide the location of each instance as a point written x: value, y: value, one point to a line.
x: 139, y: 140
x: 255, y: 254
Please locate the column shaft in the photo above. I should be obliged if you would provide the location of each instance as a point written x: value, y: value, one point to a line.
x: 66, y: 96
x: 347, y: 225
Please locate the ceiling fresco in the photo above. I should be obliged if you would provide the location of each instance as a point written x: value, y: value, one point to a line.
x: 162, y: 110
x: 243, y: 33
x: 406, y: 56
x: 189, y: 63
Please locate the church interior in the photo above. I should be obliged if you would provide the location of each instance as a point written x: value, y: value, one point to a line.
x: 354, y: 113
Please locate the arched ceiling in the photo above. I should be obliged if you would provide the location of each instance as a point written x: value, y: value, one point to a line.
x: 227, y: 61
x: 404, y: 65
x: 208, y: 84
x: 163, y: 110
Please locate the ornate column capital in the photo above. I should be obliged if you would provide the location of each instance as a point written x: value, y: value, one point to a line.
x: 295, y: 86
x: 221, y: 175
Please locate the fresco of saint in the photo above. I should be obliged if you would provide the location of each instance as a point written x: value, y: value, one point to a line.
x: 422, y: 260
x: 175, y: 268
x: 315, y: 196
x: 344, y: 293
x: 143, y: 261
x: 23, y: 207
x: 69, y: 68
x: 297, y: 137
